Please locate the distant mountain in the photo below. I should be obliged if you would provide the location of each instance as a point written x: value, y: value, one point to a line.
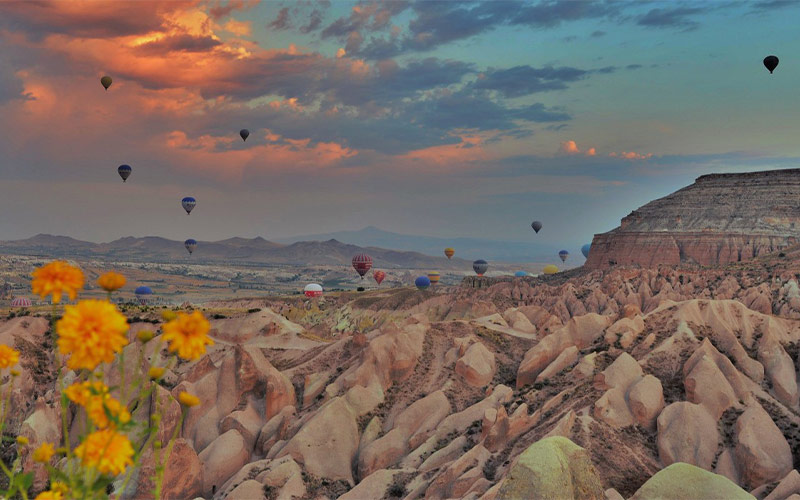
x: 243, y: 251
x: 468, y: 248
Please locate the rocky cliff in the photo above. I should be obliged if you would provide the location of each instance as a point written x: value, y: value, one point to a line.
x: 721, y: 218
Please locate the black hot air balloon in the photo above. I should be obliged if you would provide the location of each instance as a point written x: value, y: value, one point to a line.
x: 244, y: 133
x: 106, y: 81
x: 536, y: 225
x: 771, y: 62
x: 480, y: 266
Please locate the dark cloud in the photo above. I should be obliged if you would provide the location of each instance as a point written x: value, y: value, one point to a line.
x: 597, y: 34
x: 525, y: 80
x: 677, y: 17
x: 379, y: 13
x: 775, y: 4
x: 220, y: 8
x: 180, y: 43
x: 282, y: 21
x: 633, y: 66
x: 314, y: 22
x: 549, y: 14
x: 11, y: 87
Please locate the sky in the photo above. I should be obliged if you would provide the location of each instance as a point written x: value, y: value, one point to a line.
x: 451, y: 119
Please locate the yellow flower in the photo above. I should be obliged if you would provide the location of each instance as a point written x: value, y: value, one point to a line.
x: 107, y: 451
x: 16, y: 373
x: 44, y: 453
x: 56, y: 279
x: 91, y: 332
x: 59, y: 487
x: 80, y: 392
x: 168, y: 315
x: 188, y: 335
x: 49, y: 495
x: 8, y: 356
x: 187, y: 399
x: 145, y: 336
x: 22, y: 440
x: 111, y: 281
x: 156, y: 372
x: 100, y: 407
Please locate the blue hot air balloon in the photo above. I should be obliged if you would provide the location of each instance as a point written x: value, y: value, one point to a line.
x: 143, y: 294
x: 520, y: 274
x: 563, y: 254
x: 480, y: 266
x: 422, y: 282
x: 124, y: 171
x: 188, y: 204
x: 585, y: 249
x: 190, y: 245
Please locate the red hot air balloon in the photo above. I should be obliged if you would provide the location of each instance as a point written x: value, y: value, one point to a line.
x: 378, y: 276
x: 362, y: 263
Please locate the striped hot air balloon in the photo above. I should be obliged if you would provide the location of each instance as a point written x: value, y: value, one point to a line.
x: 378, y: 276
x: 563, y: 254
x: 21, y: 302
x: 434, y: 277
x: 188, y: 204
x: 449, y: 252
x: 124, y: 171
x: 362, y: 263
x: 313, y: 290
x: 190, y: 245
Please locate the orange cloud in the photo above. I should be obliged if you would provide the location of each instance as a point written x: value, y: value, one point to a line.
x: 631, y: 155
x: 571, y: 148
x: 468, y: 150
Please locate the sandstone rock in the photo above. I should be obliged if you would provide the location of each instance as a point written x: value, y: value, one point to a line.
x: 248, y: 422
x: 477, y: 365
x: 646, y: 400
x: 248, y: 490
x: 726, y: 466
x: 374, y: 485
x: 612, y: 494
x: 518, y: 321
x: 42, y: 426
x: 682, y: 481
x: 447, y: 454
x: 183, y: 474
x: 313, y: 386
x: 552, y: 468
x: 364, y: 399
x: 566, y: 359
x: 780, y: 369
x: 707, y: 386
x: 623, y: 372
x: 445, y: 483
x: 761, y: 451
x: 222, y: 458
x: 789, y: 485
x: 687, y: 433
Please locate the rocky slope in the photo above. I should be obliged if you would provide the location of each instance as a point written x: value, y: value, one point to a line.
x: 720, y: 218
x: 678, y: 383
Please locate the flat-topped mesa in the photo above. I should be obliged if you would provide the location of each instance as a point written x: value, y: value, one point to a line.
x: 720, y: 218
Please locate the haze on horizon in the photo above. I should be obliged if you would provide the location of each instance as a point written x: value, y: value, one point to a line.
x: 451, y: 119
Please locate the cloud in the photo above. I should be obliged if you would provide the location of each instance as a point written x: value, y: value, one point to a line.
x: 571, y: 148
x: 282, y: 21
x: 525, y: 80
x: 314, y: 22
x: 183, y: 42
x: 631, y: 155
x: 220, y: 9
x: 677, y: 17
x: 774, y: 4
x: 598, y: 34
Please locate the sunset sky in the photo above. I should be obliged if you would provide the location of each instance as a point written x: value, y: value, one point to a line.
x: 431, y: 118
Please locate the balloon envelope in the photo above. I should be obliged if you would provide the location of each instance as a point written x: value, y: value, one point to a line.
x: 244, y: 133
x: 480, y: 266
x: 362, y: 263
x: 536, y: 225
x: 520, y: 274
x: 550, y: 269
x: 585, y: 250
x: 434, y: 277
x: 378, y: 276
x: 188, y: 204
x: 21, y: 302
x: 422, y: 282
x: 190, y: 245
x: 771, y: 62
x: 563, y: 254
x: 313, y: 290
x: 449, y: 252
x: 143, y: 290
x: 124, y: 171
x: 105, y: 82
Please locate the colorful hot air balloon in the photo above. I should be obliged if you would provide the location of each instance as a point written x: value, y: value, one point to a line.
x: 362, y: 263
x: 378, y: 276
x: 190, y: 245
x: 434, y: 277
x: 21, y: 302
x: 536, y: 225
x: 449, y: 252
x: 244, y: 133
x: 771, y: 62
x: 143, y: 294
x: 124, y: 171
x: 550, y: 269
x: 480, y: 266
x: 585, y: 249
x: 520, y: 274
x: 422, y: 282
x: 188, y: 204
x: 313, y: 290
x: 105, y: 82
x: 563, y: 254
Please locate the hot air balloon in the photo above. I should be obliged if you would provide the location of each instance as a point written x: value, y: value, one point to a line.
x: 362, y: 263
x: 190, y: 245
x: 244, y: 133
x: 550, y: 269
x: 143, y: 294
x: 434, y: 277
x: 536, y: 225
x: 313, y: 290
x: 106, y: 81
x: 520, y: 274
x: 449, y: 252
x: 480, y: 266
x: 188, y: 204
x: 378, y: 276
x: 21, y: 302
x: 360, y: 289
x: 422, y: 282
x: 124, y: 171
x: 771, y: 62
x: 585, y: 249
x: 563, y: 254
